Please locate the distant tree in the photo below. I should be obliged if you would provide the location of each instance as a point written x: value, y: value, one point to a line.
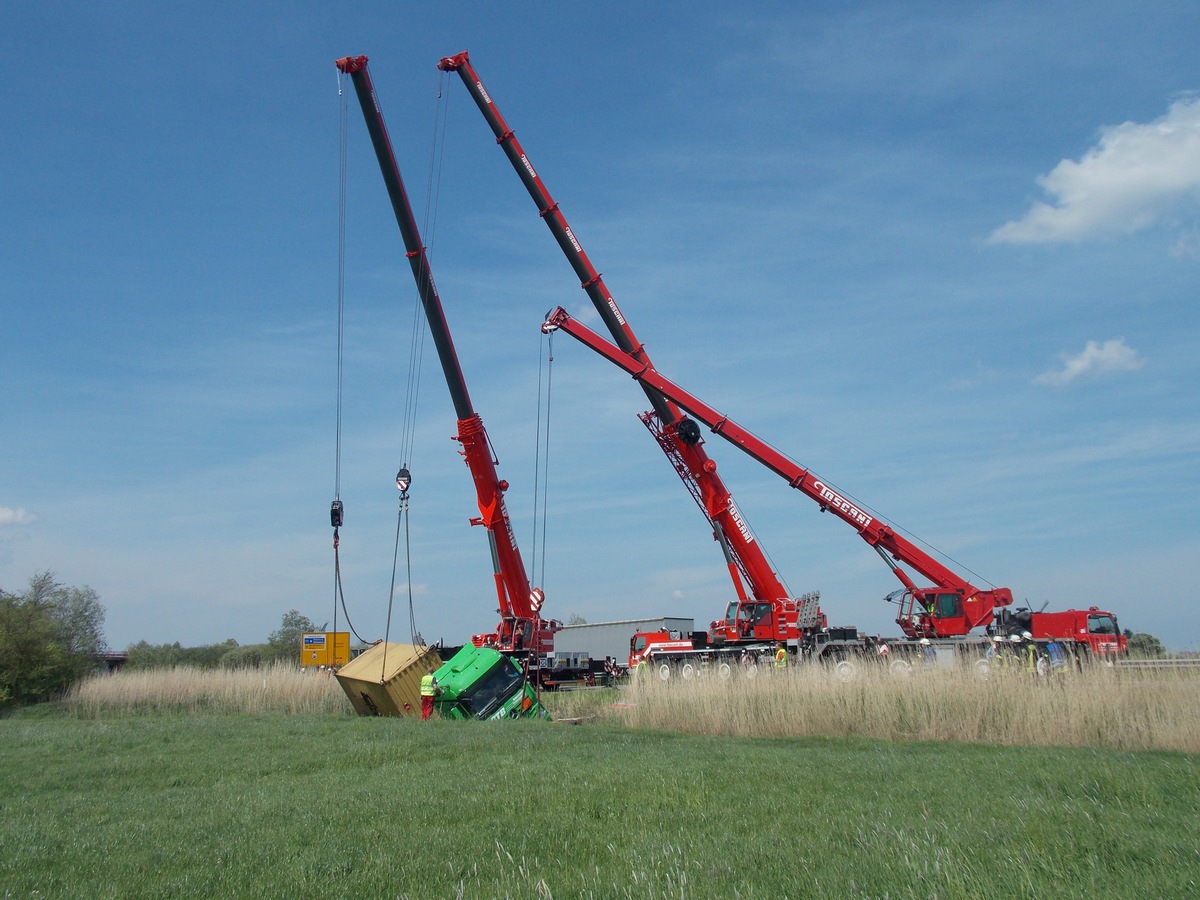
x: 209, y: 656
x: 49, y: 638
x: 143, y: 655
x: 1145, y: 645
x: 576, y: 619
x: 248, y: 656
x: 284, y: 645
x: 164, y: 656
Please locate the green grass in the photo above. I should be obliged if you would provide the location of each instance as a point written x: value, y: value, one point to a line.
x: 321, y: 805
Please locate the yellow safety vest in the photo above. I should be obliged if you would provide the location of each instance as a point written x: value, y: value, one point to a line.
x: 1029, y: 651
x: 781, y: 658
x: 426, y: 686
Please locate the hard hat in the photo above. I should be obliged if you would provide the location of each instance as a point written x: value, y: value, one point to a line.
x: 998, y: 638
x: 1027, y: 635
x: 1015, y: 638
x: 924, y: 642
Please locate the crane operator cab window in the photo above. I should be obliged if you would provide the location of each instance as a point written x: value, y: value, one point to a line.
x: 751, y: 614
x: 947, y: 606
x: 1102, y: 625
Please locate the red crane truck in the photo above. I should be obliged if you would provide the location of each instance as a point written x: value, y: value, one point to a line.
x: 948, y: 609
x: 523, y: 635
x: 763, y: 612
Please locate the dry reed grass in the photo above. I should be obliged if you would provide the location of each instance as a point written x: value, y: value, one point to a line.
x: 1099, y: 707
x: 185, y: 689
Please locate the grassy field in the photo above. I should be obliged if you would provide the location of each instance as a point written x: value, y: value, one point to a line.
x: 277, y: 805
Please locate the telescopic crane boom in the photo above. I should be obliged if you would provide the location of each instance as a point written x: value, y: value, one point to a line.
x: 952, y: 606
x: 521, y: 630
x: 767, y: 611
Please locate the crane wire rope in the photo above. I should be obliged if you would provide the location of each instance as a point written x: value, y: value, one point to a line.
x: 541, y: 475
x: 413, y: 379
x: 336, y: 510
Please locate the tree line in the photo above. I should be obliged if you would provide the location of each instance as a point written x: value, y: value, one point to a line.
x: 52, y: 635
x: 282, y: 646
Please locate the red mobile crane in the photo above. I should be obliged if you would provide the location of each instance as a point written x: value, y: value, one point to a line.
x: 522, y: 632
x: 952, y: 607
x: 766, y: 613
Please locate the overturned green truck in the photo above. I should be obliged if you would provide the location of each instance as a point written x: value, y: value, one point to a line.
x: 476, y: 683
x: 482, y: 683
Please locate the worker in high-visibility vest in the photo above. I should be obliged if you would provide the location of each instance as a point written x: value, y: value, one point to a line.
x: 781, y: 657
x: 1029, y: 653
x: 428, y: 692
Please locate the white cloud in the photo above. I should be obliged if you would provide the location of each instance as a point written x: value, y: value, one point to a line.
x: 1095, y: 360
x: 1188, y: 244
x: 1136, y: 176
x: 16, y: 516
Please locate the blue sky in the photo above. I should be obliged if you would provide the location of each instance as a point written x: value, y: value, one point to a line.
x: 946, y: 258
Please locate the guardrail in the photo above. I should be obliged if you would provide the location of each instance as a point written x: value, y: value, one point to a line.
x: 1158, y: 664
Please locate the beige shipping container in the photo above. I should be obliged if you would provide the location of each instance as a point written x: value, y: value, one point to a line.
x: 386, y: 680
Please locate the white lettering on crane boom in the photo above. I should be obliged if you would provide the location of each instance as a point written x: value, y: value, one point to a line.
x: 483, y: 93
x: 528, y: 167
x: 571, y: 238
x: 836, y: 500
x: 612, y: 304
x: 742, y: 527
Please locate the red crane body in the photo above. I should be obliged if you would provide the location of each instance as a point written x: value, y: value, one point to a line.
x: 522, y: 631
x: 776, y: 615
x: 952, y: 607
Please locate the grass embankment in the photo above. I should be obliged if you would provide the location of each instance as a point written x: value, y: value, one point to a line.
x: 282, y: 806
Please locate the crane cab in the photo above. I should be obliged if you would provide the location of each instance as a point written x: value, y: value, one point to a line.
x: 931, y: 613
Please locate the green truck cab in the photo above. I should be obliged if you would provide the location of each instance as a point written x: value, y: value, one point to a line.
x: 482, y: 683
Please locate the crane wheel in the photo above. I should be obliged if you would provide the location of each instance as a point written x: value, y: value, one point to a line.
x: 983, y: 669
x: 900, y: 668
x: 664, y: 672
x: 845, y: 671
x: 687, y: 672
x: 724, y: 671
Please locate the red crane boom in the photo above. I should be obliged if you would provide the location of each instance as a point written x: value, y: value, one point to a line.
x: 777, y: 615
x: 953, y: 606
x: 521, y: 629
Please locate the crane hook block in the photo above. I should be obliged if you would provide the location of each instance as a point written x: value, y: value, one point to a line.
x: 335, y: 514
x: 403, y: 480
